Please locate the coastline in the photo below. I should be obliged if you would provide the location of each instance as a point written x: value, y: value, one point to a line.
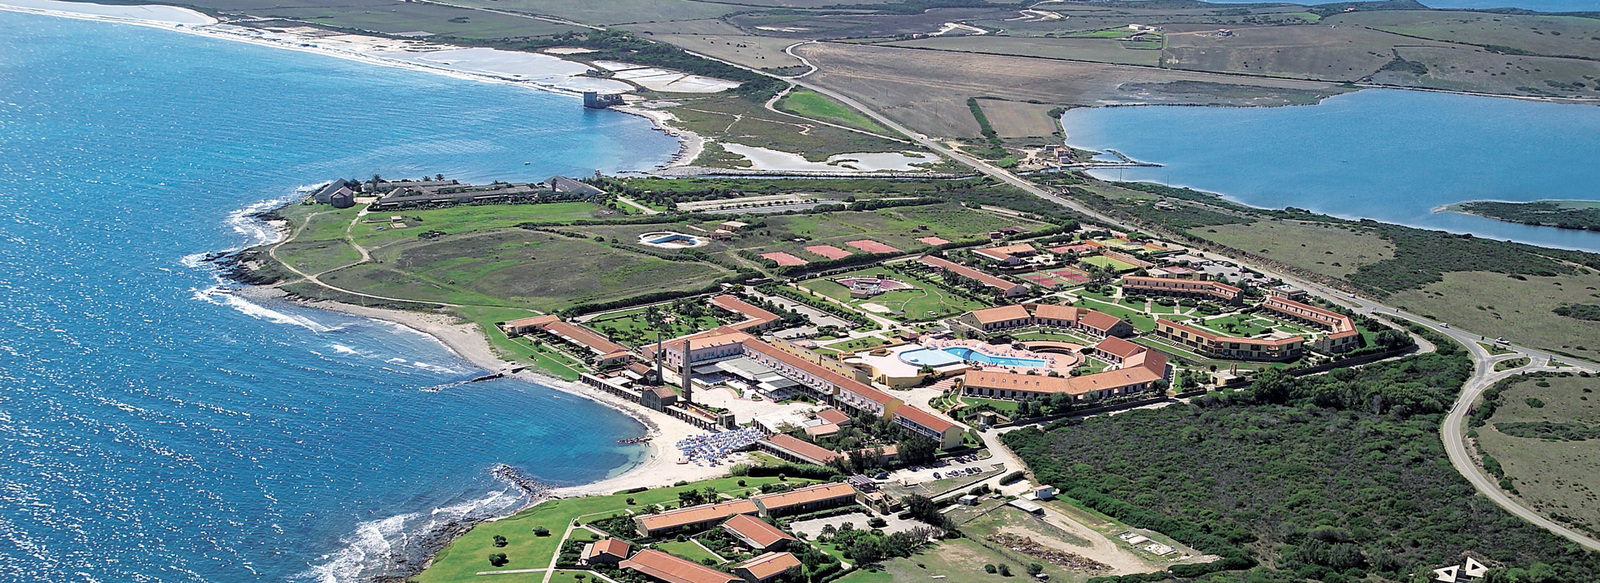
x: 369, y: 50
x: 657, y: 467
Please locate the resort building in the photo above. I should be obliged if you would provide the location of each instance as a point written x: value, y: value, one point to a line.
x: 1116, y: 350
x: 604, y: 350
x: 756, y: 319
x: 1188, y: 288
x: 756, y: 533
x: 608, y: 551
x: 943, y: 432
x: 1140, y: 372
x: 664, y: 568
x: 1342, y: 333
x: 807, y: 499
x: 1280, y: 347
x: 1007, y: 254
x: 1096, y: 323
x: 766, y: 567
x: 793, y: 449
x: 1006, y: 288
x: 692, y: 518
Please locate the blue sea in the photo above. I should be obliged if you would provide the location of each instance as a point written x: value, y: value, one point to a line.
x: 1389, y: 155
x: 153, y: 428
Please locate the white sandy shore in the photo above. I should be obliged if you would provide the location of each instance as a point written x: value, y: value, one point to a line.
x: 533, y: 70
x: 659, y: 466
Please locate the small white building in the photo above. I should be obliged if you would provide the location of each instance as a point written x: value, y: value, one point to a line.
x: 968, y: 500
x: 1044, y: 493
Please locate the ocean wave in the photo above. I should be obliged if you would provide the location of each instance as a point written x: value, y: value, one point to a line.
x: 386, y: 546
x: 216, y: 295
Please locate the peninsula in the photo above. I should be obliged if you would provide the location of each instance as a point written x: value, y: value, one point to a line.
x: 1561, y: 214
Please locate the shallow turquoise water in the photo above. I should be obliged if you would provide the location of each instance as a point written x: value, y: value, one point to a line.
x: 152, y: 429
x: 1381, y: 154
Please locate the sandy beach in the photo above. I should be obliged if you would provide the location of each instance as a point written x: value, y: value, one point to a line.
x: 659, y: 466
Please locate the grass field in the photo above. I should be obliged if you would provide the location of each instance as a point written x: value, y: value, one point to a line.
x: 743, y: 121
x: 925, y: 302
x: 469, y: 553
x: 1542, y: 35
x: 1520, y: 310
x: 818, y: 106
x: 1320, y: 247
x: 1015, y: 119
x: 519, y: 268
x: 1109, y: 263
x: 375, y: 230
x: 633, y: 329
x: 688, y: 550
x: 1099, y: 49
x: 1555, y: 477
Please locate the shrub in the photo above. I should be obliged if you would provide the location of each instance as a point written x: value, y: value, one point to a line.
x: 1004, y: 569
x: 681, y: 538
x: 499, y: 541
x: 541, y: 531
x: 498, y: 559
x: 989, y: 569
x: 877, y: 522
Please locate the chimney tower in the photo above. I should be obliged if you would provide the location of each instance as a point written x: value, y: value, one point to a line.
x: 683, y: 373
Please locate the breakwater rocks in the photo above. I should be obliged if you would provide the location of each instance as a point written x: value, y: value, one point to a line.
x: 535, y: 489
x: 243, y: 266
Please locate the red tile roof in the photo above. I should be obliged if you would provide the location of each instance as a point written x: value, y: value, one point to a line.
x: 918, y: 416
x: 769, y: 565
x: 1001, y: 314
x: 672, y: 569
x: 805, y: 495
x: 832, y: 415
x: 612, y: 546
x: 756, y: 531
x: 1110, y: 379
x: 1058, y: 312
x: 1118, y: 347
x: 696, y: 514
x: 802, y: 448
x: 754, y: 317
x: 1098, y: 320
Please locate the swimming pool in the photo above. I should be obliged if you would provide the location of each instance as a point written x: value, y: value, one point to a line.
x: 971, y: 355
x: 929, y: 357
x: 948, y: 356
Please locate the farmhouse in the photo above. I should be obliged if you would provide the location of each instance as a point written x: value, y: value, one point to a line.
x: 1006, y: 288
x: 1282, y: 347
x: 1189, y: 288
x: 665, y: 568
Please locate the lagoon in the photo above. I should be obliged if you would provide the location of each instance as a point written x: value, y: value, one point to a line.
x: 1388, y: 155
x: 153, y: 428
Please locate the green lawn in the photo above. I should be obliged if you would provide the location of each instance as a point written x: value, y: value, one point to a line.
x: 688, y: 550
x: 1139, y: 321
x: 632, y: 329
x: 817, y: 106
x: 469, y: 554
x: 466, y: 218
x: 922, y: 303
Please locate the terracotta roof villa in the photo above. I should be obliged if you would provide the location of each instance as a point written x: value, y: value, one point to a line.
x: 756, y: 533
x: 1139, y: 373
x: 807, y: 499
x: 666, y: 568
x: 1212, y: 344
x: 766, y: 567
x: 1009, y: 254
x: 1342, y: 333
x: 1007, y: 288
x: 1046, y: 315
x: 794, y: 449
x: 755, y: 318
x: 611, y: 550
x: 1181, y: 287
x: 704, y: 515
x: 604, y: 349
x: 943, y: 432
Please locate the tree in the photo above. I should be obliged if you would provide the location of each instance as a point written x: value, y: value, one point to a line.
x: 498, y: 559
x: 499, y: 541
x: 1035, y: 569
x: 1004, y: 569
x: 541, y: 531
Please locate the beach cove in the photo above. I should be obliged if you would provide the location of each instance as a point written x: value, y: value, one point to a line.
x: 145, y: 398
